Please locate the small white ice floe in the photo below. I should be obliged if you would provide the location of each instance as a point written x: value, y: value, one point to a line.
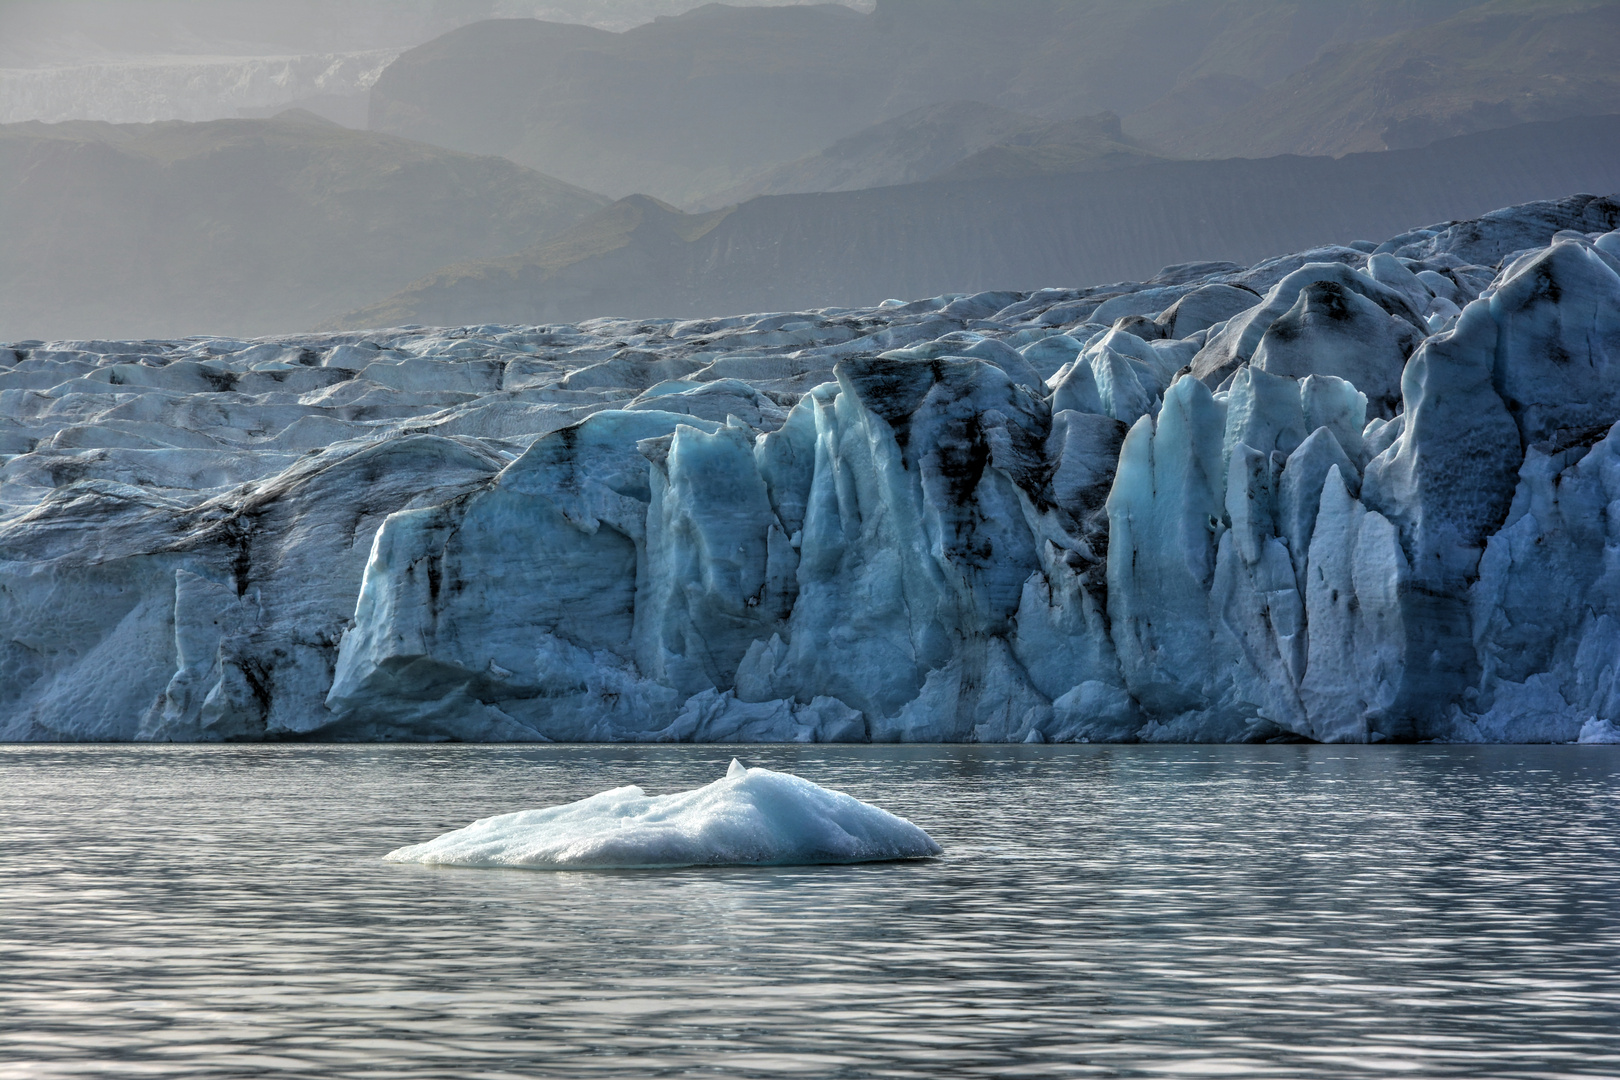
x: 752, y: 817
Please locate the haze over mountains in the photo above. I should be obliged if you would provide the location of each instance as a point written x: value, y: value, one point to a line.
x: 138, y: 61
x: 959, y: 140
x: 766, y: 156
x: 684, y: 108
x: 1490, y: 66
x: 247, y: 225
x: 644, y: 258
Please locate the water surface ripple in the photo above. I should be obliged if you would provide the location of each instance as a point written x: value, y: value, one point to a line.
x: 1290, y: 911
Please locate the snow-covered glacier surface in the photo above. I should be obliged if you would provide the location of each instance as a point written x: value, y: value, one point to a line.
x: 749, y: 817
x: 1357, y: 493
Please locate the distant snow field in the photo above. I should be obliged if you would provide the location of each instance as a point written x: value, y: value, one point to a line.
x: 141, y: 90
x: 1354, y: 494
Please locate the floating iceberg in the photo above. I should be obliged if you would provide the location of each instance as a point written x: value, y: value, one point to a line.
x: 1353, y: 494
x: 751, y: 817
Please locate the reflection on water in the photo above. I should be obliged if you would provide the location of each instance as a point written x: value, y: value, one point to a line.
x: 1285, y: 911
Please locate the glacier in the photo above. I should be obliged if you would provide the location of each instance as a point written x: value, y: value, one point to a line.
x: 749, y: 817
x: 1368, y: 492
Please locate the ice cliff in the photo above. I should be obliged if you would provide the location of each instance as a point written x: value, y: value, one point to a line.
x: 1355, y: 493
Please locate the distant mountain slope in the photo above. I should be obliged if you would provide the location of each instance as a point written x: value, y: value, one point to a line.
x: 243, y: 226
x: 644, y: 258
x: 685, y: 108
x: 962, y: 140
x: 916, y: 146
x: 1089, y: 144
x: 1496, y: 64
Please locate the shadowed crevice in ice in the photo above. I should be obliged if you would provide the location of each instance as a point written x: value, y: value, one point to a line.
x: 750, y: 817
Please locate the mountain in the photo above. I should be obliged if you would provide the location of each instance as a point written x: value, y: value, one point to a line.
x: 1193, y: 104
x: 243, y: 226
x: 685, y: 108
x: 916, y: 146
x: 961, y: 140
x: 140, y: 61
x: 1496, y: 64
x: 613, y: 261
x: 782, y: 252
x: 1089, y: 144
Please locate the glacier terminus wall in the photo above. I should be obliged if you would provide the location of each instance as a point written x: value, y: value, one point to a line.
x: 1359, y: 493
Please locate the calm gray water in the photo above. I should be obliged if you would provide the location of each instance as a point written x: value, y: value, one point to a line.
x: 1291, y: 911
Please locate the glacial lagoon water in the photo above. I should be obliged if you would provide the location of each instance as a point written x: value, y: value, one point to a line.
x: 1289, y: 911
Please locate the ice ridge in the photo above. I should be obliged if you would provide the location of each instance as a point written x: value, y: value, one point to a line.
x: 1358, y: 493
x: 749, y: 817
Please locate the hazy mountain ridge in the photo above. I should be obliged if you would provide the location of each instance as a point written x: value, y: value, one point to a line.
x: 858, y: 247
x: 45, y: 32
x: 1088, y: 144
x: 243, y: 226
x: 143, y: 61
x: 1496, y: 64
x: 961, y: 140
x: 685, y: 108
